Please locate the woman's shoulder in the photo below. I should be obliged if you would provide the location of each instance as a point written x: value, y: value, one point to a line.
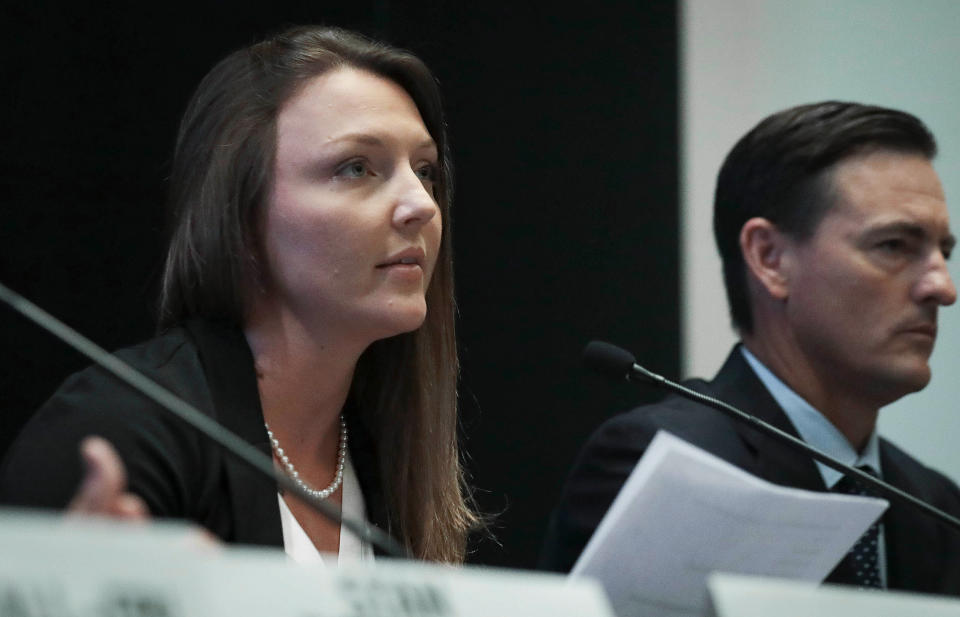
x: 170, y: 360
x: 42, y: 467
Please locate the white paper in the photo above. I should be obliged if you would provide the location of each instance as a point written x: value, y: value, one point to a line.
x: 684, y: 513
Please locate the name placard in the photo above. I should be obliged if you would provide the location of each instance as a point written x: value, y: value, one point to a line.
x: 734, y: 595
x: 51, y: 566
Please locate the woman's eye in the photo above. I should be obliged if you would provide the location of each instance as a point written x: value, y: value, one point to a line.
x: 427, y: 172
x: 353, y: 169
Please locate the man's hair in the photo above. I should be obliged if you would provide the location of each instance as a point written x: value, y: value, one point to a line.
x: 404, y: 387
x: 780, y: 171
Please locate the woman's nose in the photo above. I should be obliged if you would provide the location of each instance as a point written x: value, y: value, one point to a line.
x: 416, y: 205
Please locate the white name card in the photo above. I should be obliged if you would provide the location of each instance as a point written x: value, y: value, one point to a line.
x: 746, y: 596
x: 56, y: 567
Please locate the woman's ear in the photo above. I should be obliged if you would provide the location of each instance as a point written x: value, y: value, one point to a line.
x: 766, y: 253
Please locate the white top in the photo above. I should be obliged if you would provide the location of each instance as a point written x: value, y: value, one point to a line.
x: 300, y: 548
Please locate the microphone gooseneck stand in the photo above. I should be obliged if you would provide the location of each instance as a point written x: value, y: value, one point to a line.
x: 616, y: 362
x: 228, y: 440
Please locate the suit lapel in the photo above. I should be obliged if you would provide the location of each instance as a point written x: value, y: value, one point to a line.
x: 228, y: 366
x: 908, y: 565
x: 364, y: 456
x: 737, y: 384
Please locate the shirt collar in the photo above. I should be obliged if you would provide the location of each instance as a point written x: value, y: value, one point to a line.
x: 814, y: 428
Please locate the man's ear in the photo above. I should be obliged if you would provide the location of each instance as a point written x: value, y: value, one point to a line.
x: 764, y: 249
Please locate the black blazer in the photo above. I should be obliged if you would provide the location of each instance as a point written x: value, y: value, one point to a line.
x: 922, y: 555
x: 177, y: 471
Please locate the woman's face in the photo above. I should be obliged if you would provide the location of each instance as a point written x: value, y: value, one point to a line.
x: 351, y: 230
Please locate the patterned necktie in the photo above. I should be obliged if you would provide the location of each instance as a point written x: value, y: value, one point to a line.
x: 864, y: 553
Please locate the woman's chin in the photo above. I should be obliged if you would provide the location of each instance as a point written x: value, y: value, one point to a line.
x: 413, y: 322
x: 402, y: 321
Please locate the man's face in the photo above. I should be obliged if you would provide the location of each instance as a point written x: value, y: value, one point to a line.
x: 865, y: 288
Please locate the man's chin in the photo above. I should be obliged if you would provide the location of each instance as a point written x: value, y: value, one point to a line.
x: 908, y: 376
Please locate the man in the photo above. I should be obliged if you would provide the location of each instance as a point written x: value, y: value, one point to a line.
x: 834, y: 235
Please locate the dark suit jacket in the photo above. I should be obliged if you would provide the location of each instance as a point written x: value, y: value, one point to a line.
x: 177, y: 471
x: 922, y: 554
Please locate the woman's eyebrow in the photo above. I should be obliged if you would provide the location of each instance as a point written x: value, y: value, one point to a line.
x: 374, y: 140
x: 363, y: 138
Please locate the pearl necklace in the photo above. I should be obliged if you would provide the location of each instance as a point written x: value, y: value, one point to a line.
x: 295, y: 476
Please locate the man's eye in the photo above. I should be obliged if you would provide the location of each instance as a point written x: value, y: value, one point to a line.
x: 893, y: 245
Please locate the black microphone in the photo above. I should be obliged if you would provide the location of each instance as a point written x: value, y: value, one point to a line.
x: 609, y: 360
x: 618, y: 363
x: 226, y: 439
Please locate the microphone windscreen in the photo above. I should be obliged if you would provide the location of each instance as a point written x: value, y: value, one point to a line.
x: 608, y: 359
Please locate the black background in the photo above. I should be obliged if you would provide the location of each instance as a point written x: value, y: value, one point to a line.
x: 564, y: 129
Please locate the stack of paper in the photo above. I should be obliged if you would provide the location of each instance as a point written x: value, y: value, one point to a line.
x: 684, y: 513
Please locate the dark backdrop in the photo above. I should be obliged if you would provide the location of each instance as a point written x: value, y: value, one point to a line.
x: 564, y: 130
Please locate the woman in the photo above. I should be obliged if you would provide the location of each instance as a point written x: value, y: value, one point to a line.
x: 307, y: 304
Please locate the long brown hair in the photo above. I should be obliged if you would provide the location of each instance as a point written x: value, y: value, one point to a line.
x: 404, y: 386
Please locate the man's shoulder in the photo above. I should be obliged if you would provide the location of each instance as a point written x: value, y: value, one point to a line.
x: 907, y: 472
x: 693, y: 422
x: 610, y: 455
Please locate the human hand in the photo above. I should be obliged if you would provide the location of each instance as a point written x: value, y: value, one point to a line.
x: 103, y: 489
